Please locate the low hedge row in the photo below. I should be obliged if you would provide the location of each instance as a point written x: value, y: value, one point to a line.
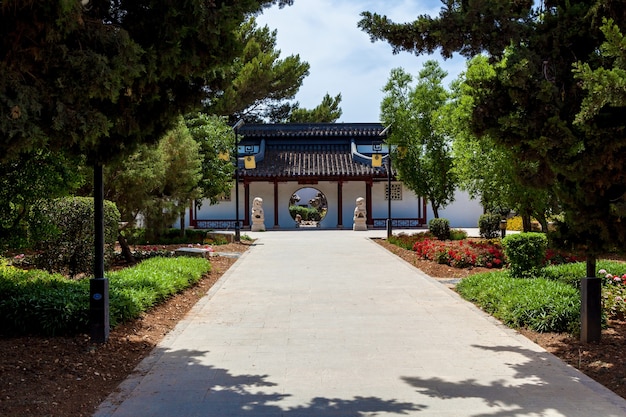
x: 36, y: 302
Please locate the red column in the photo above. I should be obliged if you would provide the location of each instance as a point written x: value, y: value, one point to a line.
x: 339, y: 204
x: 276, y: 225
x: 246, y: 199
x: 368, y: 203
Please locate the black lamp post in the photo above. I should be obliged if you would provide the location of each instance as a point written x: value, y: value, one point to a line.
x: 389, y: 222
x: 237, y: 227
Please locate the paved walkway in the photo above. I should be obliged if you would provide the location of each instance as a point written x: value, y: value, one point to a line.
x: 328, y: 323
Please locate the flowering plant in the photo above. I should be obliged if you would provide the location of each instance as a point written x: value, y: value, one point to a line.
x: 613, y: 295
x: 461, y: 253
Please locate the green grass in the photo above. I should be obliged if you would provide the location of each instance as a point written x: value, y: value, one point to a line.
x: 36, y: 302
x: 538, y: 304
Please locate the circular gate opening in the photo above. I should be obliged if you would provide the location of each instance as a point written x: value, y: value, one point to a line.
x: 308, y: 207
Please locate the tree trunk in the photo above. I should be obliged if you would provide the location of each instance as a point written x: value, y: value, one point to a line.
x: 182, y: 224
x: 126, y: 252
x: 543, y: 221
x: 435, y: 211
x: 526, y: 227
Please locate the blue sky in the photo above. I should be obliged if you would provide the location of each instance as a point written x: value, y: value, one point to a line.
x: 343, y: 60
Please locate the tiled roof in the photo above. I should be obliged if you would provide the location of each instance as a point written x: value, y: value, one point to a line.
x: 310, y: 150
x: 312, y: 130
x: 320, y: 162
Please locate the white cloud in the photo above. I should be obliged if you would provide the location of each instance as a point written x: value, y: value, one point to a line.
x: 341, y: 56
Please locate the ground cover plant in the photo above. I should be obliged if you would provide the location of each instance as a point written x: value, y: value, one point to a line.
x: 37, y: 302
x: 538, y: 304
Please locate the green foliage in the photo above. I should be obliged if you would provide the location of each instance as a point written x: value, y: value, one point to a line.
x: 36, y: 302
x: 605, y: 86
x: 156, y: 181
x: 613, y: 275
x: 484, y: 168
x: 458, y: 234
x: 408, y: 241
x: 137, y: 236
x: 423, y: 159
x: 62, y: 230
x: 548, y: 65
x: 25, y: 180
x: 258, y: 80
x: 137, y: 289
x: 489, y: 225
x: 537, y: 304
x: 183, y: 164
x: 307, y: 213
x: 98, y: 80
x: 246, y: 237
x: 215, y: 137
x: 328, y: 111
x: 440, y: 228
x: 525, y: 252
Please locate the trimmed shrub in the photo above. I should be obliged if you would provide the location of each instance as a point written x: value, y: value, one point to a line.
x: 440, y: 228
x: 458, y: 234
x: 515, y: 223
x: 307, y: 213
x: 137, y: 236
x: 526, y: 253
x: 489, y: 225
x: 62, y: 230
x: 406, y: 241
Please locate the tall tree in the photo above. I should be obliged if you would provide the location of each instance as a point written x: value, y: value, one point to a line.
x: 483, y: 167
x: 424, y: 162
x: 214, y: 137
x: 99, y: 78
x: 259, y: 80
x: 604, y: 86
x: 531, y: 104
x: 155, y: 182
x: 183, y: 162
x: 328, y: 111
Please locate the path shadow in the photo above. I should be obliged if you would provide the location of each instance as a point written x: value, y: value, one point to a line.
x: 545, y: 387
x: 182, y: 384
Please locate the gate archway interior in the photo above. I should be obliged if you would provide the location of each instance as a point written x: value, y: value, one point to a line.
x: 308, y: 206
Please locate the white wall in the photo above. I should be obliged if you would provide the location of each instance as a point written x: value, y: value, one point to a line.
x: 463, y: 212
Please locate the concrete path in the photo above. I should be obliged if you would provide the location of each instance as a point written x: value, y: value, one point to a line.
x: 328, y: 323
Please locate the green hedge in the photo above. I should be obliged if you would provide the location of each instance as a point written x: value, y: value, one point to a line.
x: 440, y: 228
x: 526, y: 253
x: 489, y: 225
x: 307, y: 213
x: 538, y: 304
x: 62, y: 230
x: 36, y: 302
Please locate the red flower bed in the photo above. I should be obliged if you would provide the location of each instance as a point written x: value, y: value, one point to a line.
x: 461, y: 253
x: 485, y: 253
